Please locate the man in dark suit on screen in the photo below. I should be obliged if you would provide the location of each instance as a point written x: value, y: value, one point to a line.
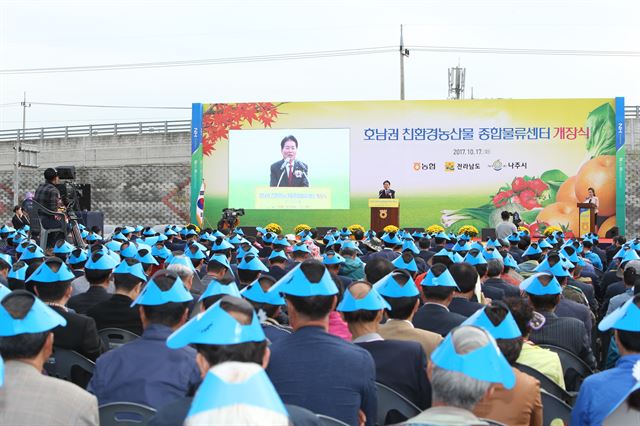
x: 289, y: 171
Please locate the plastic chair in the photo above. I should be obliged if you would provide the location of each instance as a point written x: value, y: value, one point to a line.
x: 71, y: 366
x: 574, y: 369
x: 391, y: 402
x: 553, y: 408
x: 547, y: 384
x: 33, y: 208
x: 330, y: 421
x: 116, y: 337
x: 493, y: 422
x: 125, y: 413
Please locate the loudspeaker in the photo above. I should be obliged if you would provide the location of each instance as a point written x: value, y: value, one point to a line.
x: 488, y: 233
x: 66, y: 172
x: 84, y: 196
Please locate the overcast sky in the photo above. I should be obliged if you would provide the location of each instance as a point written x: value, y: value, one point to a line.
x: 56, y: 33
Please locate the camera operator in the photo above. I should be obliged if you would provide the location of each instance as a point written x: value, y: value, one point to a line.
x: 48, y: 196
x: 230, y: 218
x: 506, y: 227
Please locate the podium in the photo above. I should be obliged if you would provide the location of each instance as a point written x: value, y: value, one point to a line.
x: 384, y: 211
x: 586, y: 218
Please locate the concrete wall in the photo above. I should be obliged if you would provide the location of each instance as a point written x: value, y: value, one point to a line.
x: 134, y: 178
x: 632, y: 146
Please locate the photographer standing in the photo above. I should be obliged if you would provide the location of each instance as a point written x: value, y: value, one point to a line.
x: 506, y: 227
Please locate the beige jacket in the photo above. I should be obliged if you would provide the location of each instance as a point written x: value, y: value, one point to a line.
x: 404, y: 330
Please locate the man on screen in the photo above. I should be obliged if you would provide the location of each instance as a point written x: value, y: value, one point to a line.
x: 289, y: 171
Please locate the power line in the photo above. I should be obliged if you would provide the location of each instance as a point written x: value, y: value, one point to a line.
x: 515, y: 51
x: 210, y: 61
x: 108, y: 106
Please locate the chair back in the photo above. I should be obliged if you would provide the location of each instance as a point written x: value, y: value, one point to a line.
x: 574, y: 369
x: 546, y: 383
x: 116, y: 337
x: 125, y: 413
x: 71, y: 366
x: 553, y: 408
x: 330, y: 421
x: 393, y: 407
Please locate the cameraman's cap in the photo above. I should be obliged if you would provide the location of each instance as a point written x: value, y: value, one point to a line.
x: 152, y: 295
x: 50, y: 173
x: 296, y: 283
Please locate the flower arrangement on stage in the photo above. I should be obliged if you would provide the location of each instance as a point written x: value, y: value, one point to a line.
x: 355, y: 227
x: 301, y: 227
x: 434, y: 229
x: 524, y: 229
x: 274, y: 227
x: 390, y: 228
x: 469, y: 230
x: 549, y: 230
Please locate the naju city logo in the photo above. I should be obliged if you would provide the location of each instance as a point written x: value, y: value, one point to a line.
x: 419, y: 166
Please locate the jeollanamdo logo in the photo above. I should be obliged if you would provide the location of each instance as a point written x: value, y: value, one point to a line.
x: 496, y: 165
x: 449, y: 166
x: 417, y: 166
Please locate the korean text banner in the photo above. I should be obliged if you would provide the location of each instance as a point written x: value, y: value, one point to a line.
x: 453, y: 163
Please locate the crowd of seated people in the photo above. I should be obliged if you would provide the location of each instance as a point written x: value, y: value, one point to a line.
x: 235, y: 329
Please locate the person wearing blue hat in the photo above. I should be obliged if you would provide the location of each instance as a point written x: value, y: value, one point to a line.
x: 5, y: 265
x: 250, y: 269
x: 227, y: 332
x: 464, y: 369
x: 400, y: 292
x: 438, y: 287
x: 407, y: 262
x: 464, y: 300
x: 587, y: 253
x: 278, y: 261
x: 17, y: 276
x: 520, y: 405
x: 145, y: 370
x: 515, y: 242
x: 300, y: 253
x: 531, y: 257
x: 97, y: 271
x: 52, y: 284
x: 218, y: 269
x: 183, y: 266
x: 401, y: 365
x: 333, y: 262
x: 601, y: 393
x: 267, y: 306
x: 27, y: 396
x: 215, y: 291
x: 495, y: 268
x: 353, y: 266
x: 116, y: 312
x: 62, y: 249
x: 301, y: 362
x: 543, y: 291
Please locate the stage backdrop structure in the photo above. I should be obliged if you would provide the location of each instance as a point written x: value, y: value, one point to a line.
x: 454, y: 162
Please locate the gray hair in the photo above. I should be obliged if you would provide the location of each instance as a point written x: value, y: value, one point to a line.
x: 184, y: 272
x: 494, y: 267
x: 456, y: 389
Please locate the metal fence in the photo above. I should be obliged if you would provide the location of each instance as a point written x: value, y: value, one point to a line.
x: 632, y: 111
x: 111, y: 129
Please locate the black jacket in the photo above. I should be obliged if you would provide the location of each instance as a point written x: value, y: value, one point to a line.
x: 117, y: 313
x: 464, y: 307
x: 437, y: 318
x: 82, y: 302
x: 389, y: 194
x: 402, y: 366
x: 80, y: 334
x: 508, y: 289
x: 280, y: 175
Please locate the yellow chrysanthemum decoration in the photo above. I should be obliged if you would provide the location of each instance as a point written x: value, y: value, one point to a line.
x: 551, y: 229
x: 390, y: 228
x: 469, y: 230
x: 355, y: 227
x: 434, y: 229
x: 523, y: 229
x: 274, y: 227
x: 301, y: 227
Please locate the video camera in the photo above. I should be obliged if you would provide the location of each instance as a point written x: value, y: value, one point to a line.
x: 229, y: 219
x: 516, y: 218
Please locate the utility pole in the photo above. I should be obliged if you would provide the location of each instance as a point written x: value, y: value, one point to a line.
x: 18, y: 149
x: 403, y: 52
